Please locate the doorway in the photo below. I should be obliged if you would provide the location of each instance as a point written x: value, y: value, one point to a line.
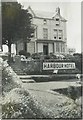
x: 45, y: 49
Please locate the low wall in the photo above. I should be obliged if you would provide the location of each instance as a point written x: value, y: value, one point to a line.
x: 36, y: 66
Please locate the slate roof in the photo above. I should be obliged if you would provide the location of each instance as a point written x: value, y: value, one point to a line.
x: 45, y: 14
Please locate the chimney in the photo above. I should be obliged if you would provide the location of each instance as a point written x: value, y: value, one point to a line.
x: 58, y: 10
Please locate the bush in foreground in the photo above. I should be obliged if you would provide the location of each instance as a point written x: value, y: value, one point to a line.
x: 19, y: 104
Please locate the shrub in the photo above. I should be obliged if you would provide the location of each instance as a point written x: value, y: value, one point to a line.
x: 77, y: 58
x: 22, y: 52
x: 32, y: 68
x: 8, y: 77
x: 72, y: 111
x: 19, y: 104
x: 53, y: 56
x: 73, y: 92
x: 36, y: 56
x: 47, y: 57
x: 28, y: 54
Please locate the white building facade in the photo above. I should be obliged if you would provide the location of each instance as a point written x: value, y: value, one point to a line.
x: 50, y: 33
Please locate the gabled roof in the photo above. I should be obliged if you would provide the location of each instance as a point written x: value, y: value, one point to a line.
x: 44, y: 14
x: 31, y: 11
x: 62, y: 19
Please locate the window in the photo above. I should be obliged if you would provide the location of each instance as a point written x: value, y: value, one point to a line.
x: 57, y: 24
x: 60, y: 34
x: 60, y: 38
x: 57, y: 47
x: 45, y: 33
x: 60, y: 31
x: 54, y: 37
x: 61, y: 47
x: 55, y: 30
x: 45, y: 21
x: 55, y: 33
x: 57, y: 19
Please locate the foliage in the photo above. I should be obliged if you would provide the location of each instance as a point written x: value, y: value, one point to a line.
x: 7, y: 78
x: 32, y: 68
x: 20, y: 109
x: 28, y: 54
x: 35, y: 56
x: 23, y: 52
x: 77, y: 58
x: 72, y: 111
x: 19, y: 104
x: 73, y: 92
x: 47, y: 57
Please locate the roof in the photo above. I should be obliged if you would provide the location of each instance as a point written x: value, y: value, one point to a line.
x: 45, y: 14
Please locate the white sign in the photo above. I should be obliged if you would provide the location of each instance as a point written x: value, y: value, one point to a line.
x: 58, y: 65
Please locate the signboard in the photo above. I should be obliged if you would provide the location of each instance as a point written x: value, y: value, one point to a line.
x: 58, y: 65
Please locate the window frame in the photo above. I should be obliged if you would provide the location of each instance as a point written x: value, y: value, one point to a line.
x: 45, y: 33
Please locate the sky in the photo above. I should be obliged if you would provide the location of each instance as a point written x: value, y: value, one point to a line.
x: 70, y: 10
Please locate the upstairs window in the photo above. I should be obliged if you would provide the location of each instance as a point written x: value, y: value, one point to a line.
x: 45, y: 21
x: 57, y: 47
x: 60, y: 31
x: 55, y: 34
x: 45, y: 33
x: 57, y: 24
x: 55, y: 30
x: 54, y: 37
x: 60, y: 34
x: 57, y: 19
x: 60, y: 38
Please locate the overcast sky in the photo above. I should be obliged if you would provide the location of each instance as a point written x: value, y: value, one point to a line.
x: 70, y: 10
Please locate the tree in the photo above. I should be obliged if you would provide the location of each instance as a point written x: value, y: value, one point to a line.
x: 16, y: 23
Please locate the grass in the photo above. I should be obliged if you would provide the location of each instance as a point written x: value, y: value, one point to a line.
x: 71, y: 91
